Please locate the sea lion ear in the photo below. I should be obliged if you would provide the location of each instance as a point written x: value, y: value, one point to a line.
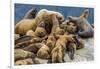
x: 85, y: 14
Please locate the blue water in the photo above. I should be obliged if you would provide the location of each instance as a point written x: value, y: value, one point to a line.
x: 21, y: 10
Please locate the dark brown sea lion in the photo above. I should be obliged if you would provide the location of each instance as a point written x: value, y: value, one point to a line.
x: 33, y: 47
x: 26, y: 43
x: 31, y: 14
x: 23, y: 38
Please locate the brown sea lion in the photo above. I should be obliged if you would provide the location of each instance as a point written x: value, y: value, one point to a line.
x: 60, y: 47
x: 44, y: 52
x: 21, y: 54
x: 46, y: 16
x: 51, y: 42
x: 24, y: 25
x: 33, y: 47
x: 58, y: 54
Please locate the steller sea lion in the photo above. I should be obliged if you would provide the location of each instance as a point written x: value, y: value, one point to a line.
x: 85, y: 29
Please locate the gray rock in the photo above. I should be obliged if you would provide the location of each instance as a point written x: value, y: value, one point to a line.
x: 85, y: 54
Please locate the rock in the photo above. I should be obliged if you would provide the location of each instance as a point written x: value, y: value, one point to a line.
x: 16, y: 36
x: 27, y: 61
x: 85, y: 54
x: 40, y: 61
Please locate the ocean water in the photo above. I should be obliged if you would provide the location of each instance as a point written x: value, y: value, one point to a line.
x: 22, y: 9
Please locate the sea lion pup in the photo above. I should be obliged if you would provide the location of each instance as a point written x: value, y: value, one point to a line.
x: 71, y: 28
x: 21, y: 54
x: 31, y: 14
x: 61, y: 45
x: 33, y: 47
x: 51, y: 42
x: 27, y: 61
x: 24, y: 25
x: 39, y: 33
x: 44, y: 52
x: 40, y: 30
x: 85, y: 29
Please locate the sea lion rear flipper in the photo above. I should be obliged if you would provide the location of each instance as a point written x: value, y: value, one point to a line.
x: 71, y: 52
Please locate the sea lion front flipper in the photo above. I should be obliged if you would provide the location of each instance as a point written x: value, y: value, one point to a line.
x: 86, y: 34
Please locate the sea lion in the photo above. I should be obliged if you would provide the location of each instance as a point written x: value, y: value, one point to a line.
x: 21, y: 54
x: 60, y: 47
x: 23, y: 38
x: 31, y: 14
x: 85, y: 29
x: 24, y: 25
x: 48, y: 18
x: 33, y: 47
x: 57, y: 54
x: 51, y: 42
x: 44, y: 52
